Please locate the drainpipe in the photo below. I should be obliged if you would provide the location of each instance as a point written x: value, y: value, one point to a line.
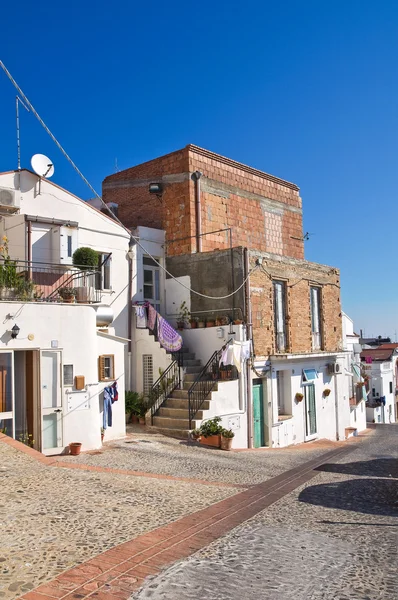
x: 130, y: 255
x: 336, y: 395
x: 249, y: 336
x: 197, y: 175
x: 29, y: 244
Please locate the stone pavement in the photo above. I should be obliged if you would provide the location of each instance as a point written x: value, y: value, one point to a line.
x: 332, y: 538
x: 151, y: 453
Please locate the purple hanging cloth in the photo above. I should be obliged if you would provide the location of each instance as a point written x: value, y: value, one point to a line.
x: 168, y: 337
x: 151, y: 317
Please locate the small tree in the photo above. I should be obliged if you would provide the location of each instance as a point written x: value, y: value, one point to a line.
x: 85, y: 258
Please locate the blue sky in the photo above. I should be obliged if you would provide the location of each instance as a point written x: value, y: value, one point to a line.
x: 305, y: 90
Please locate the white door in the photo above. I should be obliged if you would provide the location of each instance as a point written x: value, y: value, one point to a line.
x: 51, y: 402
x: 151, y: 282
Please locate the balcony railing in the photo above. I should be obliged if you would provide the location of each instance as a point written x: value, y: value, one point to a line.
x: 43, y: 282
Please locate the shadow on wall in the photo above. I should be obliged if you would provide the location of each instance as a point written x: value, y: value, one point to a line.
x: 367, y: 496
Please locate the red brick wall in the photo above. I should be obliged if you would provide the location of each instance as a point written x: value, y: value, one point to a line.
x: 299, y: 276
x: 264, y: 212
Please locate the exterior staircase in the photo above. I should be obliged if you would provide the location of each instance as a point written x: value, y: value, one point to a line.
x: 172, y: 418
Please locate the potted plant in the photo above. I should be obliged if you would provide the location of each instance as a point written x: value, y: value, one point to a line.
x: 210, y: 432
x: 74, y: 448
x: 195, y: 434
x: 132, y: 403
x: 193, y: 321
x: 326, y: 392
x: 68, y: 294
x: 227, y: 436
x: 183, y: 315
x: 102, y: 434
x: 85, y: 259
x: 238, y: 322
x: 210, y: 323
x: 299, y: 396
x: 201, y: 323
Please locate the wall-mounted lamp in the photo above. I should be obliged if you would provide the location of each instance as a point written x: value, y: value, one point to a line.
x: 14, y: 331
x: 155, y: 188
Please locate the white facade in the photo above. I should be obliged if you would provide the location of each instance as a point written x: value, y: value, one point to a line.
x: 58, y: 341
x: 353, y: 378
x: 382, y: 385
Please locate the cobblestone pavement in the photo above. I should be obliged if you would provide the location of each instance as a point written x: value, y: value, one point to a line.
x: 52, y: 519
x: 334, y: 538
x: 153, y: 453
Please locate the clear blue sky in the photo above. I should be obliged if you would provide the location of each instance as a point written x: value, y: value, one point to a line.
x: 305, y: 90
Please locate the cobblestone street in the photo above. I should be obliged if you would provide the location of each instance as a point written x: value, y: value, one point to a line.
x: 322, y: 525
x: 334, y: 538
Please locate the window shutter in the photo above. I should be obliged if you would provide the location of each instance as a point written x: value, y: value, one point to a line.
x: 101, y: 368
x: 112, y: 369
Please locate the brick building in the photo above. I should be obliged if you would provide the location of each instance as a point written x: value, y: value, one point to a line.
x: 291, y: 306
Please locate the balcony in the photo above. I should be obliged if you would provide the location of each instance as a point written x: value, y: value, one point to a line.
x: 41, y: 282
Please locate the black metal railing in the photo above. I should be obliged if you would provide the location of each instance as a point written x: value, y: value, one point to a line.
x: 35, y: 282
x: 168, y: 381
x: 207, y: 379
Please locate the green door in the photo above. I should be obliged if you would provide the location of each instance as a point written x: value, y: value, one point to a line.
x: 258, y: 413
x: 310, y: 409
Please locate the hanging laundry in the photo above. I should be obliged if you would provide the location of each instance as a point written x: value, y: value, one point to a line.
x: 115, y: 392
x: 241, y: 352
x: 168, y: 337
x: 152, y: 314
x: 140, y: 315
x: 227, y: 356
x: 107, y: 415
x: 246, y: 349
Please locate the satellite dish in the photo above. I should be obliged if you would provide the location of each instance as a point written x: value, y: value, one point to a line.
x: 42, y: 165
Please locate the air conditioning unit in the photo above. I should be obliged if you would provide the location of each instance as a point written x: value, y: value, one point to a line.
x: 334, y: 368
x: 9, y: 199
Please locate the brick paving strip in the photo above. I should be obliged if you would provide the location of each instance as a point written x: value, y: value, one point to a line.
x: 118, y: 572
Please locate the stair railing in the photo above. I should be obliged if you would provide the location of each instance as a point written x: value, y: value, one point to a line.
x: 205, y: 382
x: 165, y: 385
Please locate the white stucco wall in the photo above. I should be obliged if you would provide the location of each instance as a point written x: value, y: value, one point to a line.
x: 205, y: 341
x: 144, y: 343
x: 95, y: 230
x: 72, y: 328
x: 293, y: 430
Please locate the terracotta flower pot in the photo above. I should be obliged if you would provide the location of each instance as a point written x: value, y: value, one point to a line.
x: 134, y: 419
x: 194, y: 324
x: 226, y: 443
x: 74, y: 448
x: 212, y: 440
x: 142, y: 420
x: 69, y: 300
x: 201, y: 324
x: 210, y: 324
x: 102, y: 437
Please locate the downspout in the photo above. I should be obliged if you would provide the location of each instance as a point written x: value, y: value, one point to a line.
x: 336, y: 395
x: 130, y: 255
x: 29, y: 244
x: 249, y: 336
x: 197, y: 175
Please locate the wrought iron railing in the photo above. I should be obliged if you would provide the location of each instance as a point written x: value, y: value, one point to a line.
x: 207, y: 379
x: 168, y: 381
x: 35, y: 282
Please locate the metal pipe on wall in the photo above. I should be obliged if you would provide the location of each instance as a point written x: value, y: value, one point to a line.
x: 198, y: 208
x: 249, y: 336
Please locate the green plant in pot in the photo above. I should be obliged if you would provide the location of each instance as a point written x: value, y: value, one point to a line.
x: 133, y: 405
x: 183, y: 315
x: 86, y: 259
x: 227, y: 435
x: 210, y: 432
x: 68, y: 294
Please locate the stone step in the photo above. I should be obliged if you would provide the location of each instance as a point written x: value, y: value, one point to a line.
x: 169, y: 423
x: 192, y: 370
x: 179, y: 394
x: 180, y: 434
x: 183, y: 403
x: 188, y: 384
x: 177, y: 413
x: 192, y: 363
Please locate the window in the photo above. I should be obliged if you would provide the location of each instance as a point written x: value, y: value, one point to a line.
x: 147, y: 369
x: 390, y: 387
x: 151, y: 282
x: 374, y: 392
x: 68, y: 374
x: 69, y: 240
x: 315, y: 298
x: 309, y: 375
x: 106, y: 367
x: 280, y: 392
x: 104, y: 275
x: 280, y: 315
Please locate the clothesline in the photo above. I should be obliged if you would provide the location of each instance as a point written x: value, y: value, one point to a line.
x: 235, y: 353
x: 148, y: 318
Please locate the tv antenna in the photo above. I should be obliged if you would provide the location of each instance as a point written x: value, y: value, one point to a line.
x: 17, y: 101
x: 42, y: 166
x: 304, y: 238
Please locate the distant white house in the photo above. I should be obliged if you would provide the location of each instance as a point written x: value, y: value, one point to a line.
x: 56, y: 356
x: 354, y: 382
x: 380, y: 364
